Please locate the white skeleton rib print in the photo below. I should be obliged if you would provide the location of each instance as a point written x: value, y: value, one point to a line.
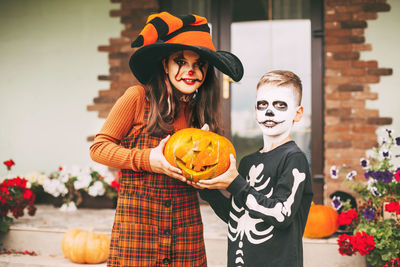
x: 246, y: 225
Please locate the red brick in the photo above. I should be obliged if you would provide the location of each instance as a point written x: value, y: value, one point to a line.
x: 365, y: 16
x: 334, y: 64
x: 353, y: 120
x: 350, y: 87
x: 380, y: 72
x: 365, y: 64
x: 332, y: 72
x: 380, y: 120
x: 363, y: 144
x: 119, y: 41
x: 366, y: 79
x: 376, y: 7
x: 108, y: 48
x: 349, y: 9
x: 338, y: 80
x: 119, y: 85
x: 114, y: 62
x: 365, y: 95
x: 98, y: 107
x: 364, y: 128
x: 331, y: 120
x: 330, y: 88
x: 338, y: 17
x: 338, y: 144
x: 362, y: 47
x: 340, y: 112
x: 119, y: 13
x: 346, y: 55
x: 357, y: 31
x: 332, y: 25
x: 332, y: 104
x: 365, y: 112
x: 354, y: 72
x: 339, y: 32
x: 352, y: 24
x: 353, y: 103
x: 338, y: 128
x: 338, y: 96
x: 339, y: 48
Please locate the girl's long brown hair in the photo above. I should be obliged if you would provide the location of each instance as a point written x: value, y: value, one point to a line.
x: 203, y: 108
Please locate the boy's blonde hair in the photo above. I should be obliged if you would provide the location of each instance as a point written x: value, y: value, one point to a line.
x: 283, y: 78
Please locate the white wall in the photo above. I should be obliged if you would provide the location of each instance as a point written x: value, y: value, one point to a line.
x: 384, y: 36
x: 48, y: 75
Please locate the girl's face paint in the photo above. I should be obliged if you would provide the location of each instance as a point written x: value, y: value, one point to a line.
x: 186, y: 71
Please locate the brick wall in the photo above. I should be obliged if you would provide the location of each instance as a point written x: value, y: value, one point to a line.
x: 133, y: 15
x: 350, y: 127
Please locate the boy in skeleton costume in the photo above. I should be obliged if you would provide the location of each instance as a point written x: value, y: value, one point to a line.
x: 271, y: 191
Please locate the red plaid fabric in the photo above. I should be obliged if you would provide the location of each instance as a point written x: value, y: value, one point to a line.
x: 157, y: 220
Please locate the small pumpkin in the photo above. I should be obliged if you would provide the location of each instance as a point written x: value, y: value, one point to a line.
x: 81, y: 246
x: 322, y: 221
x: 198, y: 153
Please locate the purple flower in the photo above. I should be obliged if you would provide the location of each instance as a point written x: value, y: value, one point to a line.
x: 336, y: 203
x: 398, y: 141
x: 334, y: 172
x: 351, y: 175
x: 369, y: 214
x: 384, y: 176
x: 364, y: 163
x: 386, y: 153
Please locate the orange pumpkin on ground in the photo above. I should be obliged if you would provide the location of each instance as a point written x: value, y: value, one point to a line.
x: 198, y: 153
x: 82, y: 246
x: 322, y: 221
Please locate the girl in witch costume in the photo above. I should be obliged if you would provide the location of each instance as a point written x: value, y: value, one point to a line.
x: 157, y: 219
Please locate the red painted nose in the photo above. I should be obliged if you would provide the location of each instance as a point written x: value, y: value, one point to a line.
x: 191, y: 73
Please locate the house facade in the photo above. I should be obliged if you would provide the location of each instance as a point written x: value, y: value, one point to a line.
x: 339, y: 125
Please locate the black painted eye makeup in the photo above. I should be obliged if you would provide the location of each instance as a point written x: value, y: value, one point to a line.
x: 280, y: 105
x: 262, y: 105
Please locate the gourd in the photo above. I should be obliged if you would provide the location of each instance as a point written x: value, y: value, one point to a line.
x: 81, y: 246
x: 322, y: 221
x: 198, y: 153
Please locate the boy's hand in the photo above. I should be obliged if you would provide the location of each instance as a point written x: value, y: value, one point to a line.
x: 159, y: 164
x: 222, y: 181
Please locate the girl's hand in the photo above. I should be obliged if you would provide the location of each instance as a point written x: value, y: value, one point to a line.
x: 159, y: 164
x: 205, y: 127
x: 222, y: 181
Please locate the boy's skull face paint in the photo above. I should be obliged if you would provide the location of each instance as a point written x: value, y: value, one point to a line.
x: 276, y: 110
x: 186, y: 70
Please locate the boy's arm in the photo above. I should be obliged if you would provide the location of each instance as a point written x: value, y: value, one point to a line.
x: 218, y: 202
x: 280, y: 207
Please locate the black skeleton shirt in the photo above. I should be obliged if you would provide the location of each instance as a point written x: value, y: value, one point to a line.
x: 268, y: 208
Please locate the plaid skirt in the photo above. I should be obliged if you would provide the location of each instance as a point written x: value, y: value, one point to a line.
x: 157, y: 220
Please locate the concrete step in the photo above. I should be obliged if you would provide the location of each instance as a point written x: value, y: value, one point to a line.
x: 43, y: 232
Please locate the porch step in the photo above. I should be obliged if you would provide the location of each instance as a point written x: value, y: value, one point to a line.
x: 43, y: 233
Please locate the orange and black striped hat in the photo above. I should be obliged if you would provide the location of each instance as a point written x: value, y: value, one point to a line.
x: 165, y: 33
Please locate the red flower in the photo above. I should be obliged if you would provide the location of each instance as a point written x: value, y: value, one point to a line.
x: 397, y: 175
x: 363, y: 243
x: 392, y: 263
x: 345, y: 247
x: 347, y: 217
x: 393, y: 207
x: 27, y: 194
x: 115, y: 185
x: 9, y: 163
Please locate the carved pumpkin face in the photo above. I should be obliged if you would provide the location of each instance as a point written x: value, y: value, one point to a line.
x: 199, y: 154
x: 322, y: 221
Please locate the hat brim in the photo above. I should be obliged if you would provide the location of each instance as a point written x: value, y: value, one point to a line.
x: 144, y: 61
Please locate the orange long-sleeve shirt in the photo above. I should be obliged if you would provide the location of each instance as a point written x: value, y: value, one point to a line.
x: 126, y: 116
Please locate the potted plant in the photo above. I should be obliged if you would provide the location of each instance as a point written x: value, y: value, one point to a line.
x: 373, y: 227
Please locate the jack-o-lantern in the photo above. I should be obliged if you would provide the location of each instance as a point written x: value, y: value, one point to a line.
x: 199, y: 154
x: 322, y: 221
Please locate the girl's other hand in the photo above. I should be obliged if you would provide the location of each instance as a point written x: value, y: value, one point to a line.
x: 222, y: 181
x: 159, y: 164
